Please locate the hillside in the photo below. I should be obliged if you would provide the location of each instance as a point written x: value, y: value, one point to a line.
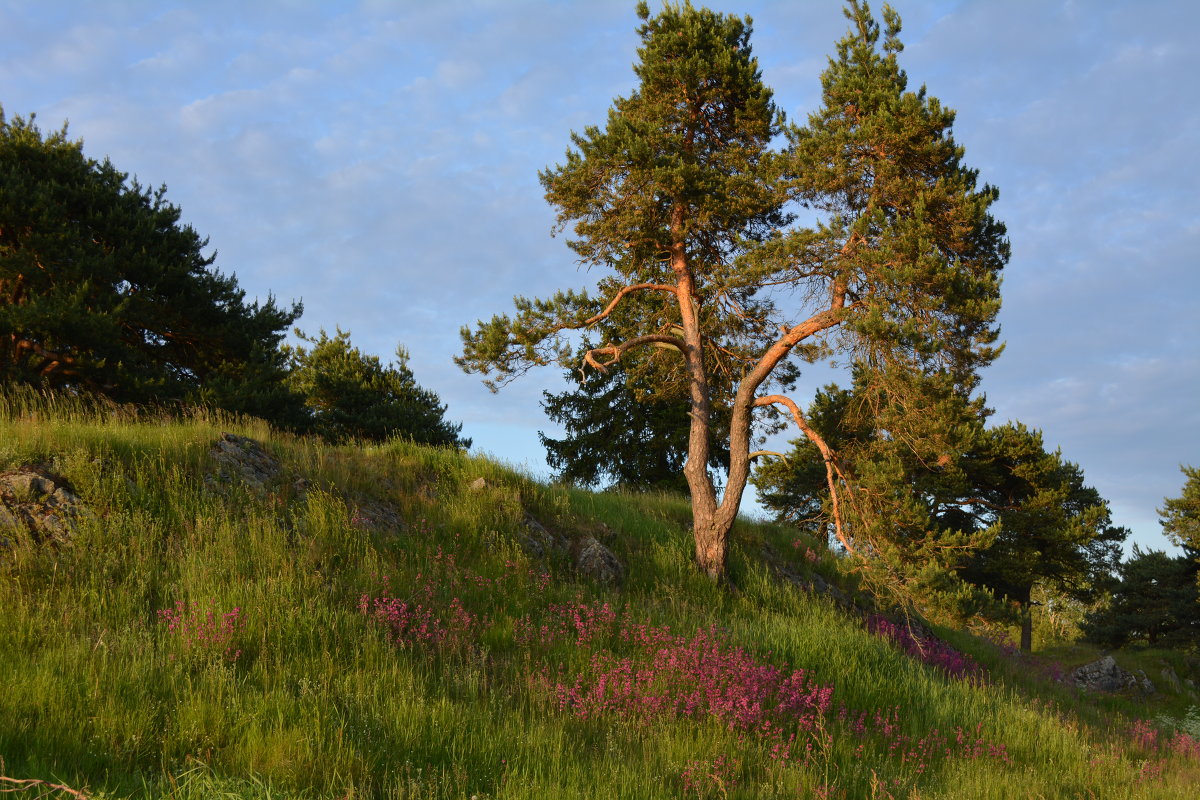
x: 187, y: 615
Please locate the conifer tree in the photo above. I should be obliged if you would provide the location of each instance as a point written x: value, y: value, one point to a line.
x: 352, y: 395
x: 103, y: 289
x: 682, y: 197
x: 1180, y: 516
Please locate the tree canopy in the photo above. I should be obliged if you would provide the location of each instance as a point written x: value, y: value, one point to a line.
x: 351, y: 395
x: 103, y: 289
x: 1180, y: 516
x: 684, y: 201
x: 1010, y: 515
x: 1155, y: 602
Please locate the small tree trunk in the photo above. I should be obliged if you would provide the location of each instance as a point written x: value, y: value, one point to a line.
x: 1025, y: 598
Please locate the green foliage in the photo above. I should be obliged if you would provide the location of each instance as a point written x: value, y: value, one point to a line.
x: 1154, y: 602
x: 684, y: 200
x: 989, y: 503
x: 1049, y: 526
x: 691, y: 142
x: 351, y: 395
x: 317, y: 700
x: 1181, y: 515
x: 103, y: 289
x: 906, y: 233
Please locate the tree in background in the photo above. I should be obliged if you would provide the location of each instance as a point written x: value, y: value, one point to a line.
x: 351, y: 395
x: 1049, y: 527
x: 1180, y: 516
x: 629, y: 425
x: 613, y: 435
x: 1155, y: 602
x: 103, y: 290
x: 683, y: 198
x: 1021, y: 517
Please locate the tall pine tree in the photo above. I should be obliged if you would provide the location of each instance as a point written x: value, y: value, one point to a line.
x: 103, y: 289
x: 683, y: 199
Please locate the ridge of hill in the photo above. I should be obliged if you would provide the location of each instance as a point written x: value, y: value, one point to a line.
x: 197, y: 606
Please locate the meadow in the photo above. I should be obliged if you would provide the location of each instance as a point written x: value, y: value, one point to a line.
x: 370, y: 623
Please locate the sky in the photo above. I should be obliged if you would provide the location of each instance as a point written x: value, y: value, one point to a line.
x: 378, y: 161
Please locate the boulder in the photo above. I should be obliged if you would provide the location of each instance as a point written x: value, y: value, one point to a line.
x: 35, y: 499
x: 243, y: 460
x: 1104, y: 675
x: 537, y: 540
x: 597, y: 562
x: 376, y: 515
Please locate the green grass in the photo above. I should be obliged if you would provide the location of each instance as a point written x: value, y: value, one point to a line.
x: 98, y: 693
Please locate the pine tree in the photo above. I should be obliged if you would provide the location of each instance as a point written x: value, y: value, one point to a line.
x: 1155, y: 602
x: 1180, y: 516
x: 682, y: 197
x: 103, y: 289
x: 352, y: 395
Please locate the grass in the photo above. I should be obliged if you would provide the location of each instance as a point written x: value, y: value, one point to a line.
x: 206, y: 639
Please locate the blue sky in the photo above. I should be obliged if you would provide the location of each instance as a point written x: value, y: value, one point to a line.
x: 378, y: 161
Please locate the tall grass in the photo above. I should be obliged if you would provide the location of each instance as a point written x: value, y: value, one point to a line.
x: 201, y: 639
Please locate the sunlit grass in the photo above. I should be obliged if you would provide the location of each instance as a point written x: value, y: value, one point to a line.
x: 265, y: 678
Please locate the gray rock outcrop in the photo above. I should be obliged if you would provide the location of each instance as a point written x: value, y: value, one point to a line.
x: 35, y: 499
x: 1104, y: 675
x: 597, y: 562
x: 243, y: 460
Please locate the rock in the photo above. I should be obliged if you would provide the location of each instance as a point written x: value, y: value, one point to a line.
x: 479, y: 484
x: 537, y: 540
x: 37, y: 500
x: 1103, y: 675
x: 244, y: 460
x: 376, y: 515
x: 598, y: 562
x: 1171, y: 679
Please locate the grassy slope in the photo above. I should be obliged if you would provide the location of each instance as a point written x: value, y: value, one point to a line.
x: 299, y: 693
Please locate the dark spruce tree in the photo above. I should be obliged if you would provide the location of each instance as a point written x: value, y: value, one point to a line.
x: 617, y: 436
x: 351, y: 395
x: 1155, y: 602
x: 681, y: 198
x: 104, y: 290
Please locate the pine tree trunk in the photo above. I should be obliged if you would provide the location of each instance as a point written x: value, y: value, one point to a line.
x: 712, y: 545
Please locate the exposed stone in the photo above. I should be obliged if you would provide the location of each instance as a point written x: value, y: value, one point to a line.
x: 241, y: 459
x: 597, y: 562
x: 375, y: 515
x: 479, y: 484
x: 37, y: 500
x: 1104, y: 675
x: 1171, y: 679
x: 537, y: 540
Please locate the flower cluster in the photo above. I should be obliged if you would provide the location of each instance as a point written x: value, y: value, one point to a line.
x: 928, y: 649
x: 425, y: 621
x: 695, y: 676
x: 919, y: 752
x: 205, y: 628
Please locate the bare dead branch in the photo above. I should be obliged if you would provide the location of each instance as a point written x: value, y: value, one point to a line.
x: 832, y: 471
x: 44, y: 787
x: 758, y: 453
x: 617, y: 350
